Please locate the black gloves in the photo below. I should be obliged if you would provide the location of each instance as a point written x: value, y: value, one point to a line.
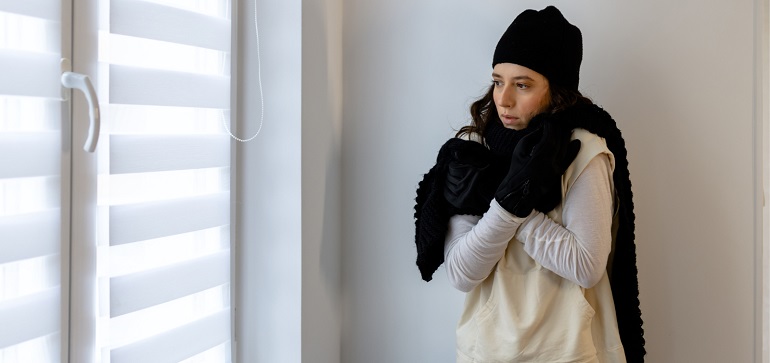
x: 533, y: 180
x: 470, y: 179
x: 537, y: 164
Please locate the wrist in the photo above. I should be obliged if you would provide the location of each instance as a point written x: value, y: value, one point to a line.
x: 517, y: 200
x: 504, y: 214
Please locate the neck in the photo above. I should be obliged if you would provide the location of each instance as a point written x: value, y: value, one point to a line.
x: 501, y: 140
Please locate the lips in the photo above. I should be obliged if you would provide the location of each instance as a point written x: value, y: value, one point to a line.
x: 508, y: 119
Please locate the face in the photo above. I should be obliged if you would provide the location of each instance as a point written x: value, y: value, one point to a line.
x: 519, y: 94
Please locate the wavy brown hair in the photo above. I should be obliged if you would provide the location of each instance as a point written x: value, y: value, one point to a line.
x: 483, y: 109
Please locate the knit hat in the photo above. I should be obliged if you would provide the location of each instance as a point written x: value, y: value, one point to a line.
x: 545, y: 42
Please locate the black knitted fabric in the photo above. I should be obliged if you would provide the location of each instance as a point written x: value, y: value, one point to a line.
x: 432, y: 214
x: 432, y: 211
x: 501, y: 140
x: 545, y: 42
x: 624, y: 280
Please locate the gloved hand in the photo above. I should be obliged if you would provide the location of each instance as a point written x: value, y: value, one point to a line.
x: 470, y: 183
x: 537, y: 163
x: 559, y: 153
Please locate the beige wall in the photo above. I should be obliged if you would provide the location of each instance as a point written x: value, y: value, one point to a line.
x: 361, y: 94
x: 321, y: 164
x: 677, y: 77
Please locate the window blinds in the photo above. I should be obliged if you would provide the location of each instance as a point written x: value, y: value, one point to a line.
x: 30, y: 181
x: 164, y: 180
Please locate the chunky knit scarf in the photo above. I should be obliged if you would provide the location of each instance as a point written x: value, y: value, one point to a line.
x: 432, y: 213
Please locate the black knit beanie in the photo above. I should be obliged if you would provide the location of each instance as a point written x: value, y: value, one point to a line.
x: 545, y: 42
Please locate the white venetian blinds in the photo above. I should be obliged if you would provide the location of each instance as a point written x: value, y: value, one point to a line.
x: 30, y: 181
x: 164, y: 180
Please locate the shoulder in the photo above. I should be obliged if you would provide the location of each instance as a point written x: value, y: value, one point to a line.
x: 591, y: 146
x: 461, y: 145
x: 473, y: 136
x: 588, y: 140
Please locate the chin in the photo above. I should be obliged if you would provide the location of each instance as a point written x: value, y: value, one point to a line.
x: 517, y: 126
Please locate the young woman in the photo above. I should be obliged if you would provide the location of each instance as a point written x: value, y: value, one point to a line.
x: 530, y: 209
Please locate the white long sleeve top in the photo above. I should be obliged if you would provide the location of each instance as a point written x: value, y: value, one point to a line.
x: 577, y: 250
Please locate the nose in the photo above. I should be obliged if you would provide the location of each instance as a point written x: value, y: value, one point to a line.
x: 506, y: 97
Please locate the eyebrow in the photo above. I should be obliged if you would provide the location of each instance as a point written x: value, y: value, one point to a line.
x: 495, y: 75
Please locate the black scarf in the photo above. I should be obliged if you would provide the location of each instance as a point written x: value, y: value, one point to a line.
x: 432, y: 213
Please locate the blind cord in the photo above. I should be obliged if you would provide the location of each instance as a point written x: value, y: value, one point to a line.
x: 261, y: 96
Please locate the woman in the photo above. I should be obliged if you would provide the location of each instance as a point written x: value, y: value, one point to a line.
x: 530, y: 208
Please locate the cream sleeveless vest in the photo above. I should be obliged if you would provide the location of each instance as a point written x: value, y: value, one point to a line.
x: 523, y: 312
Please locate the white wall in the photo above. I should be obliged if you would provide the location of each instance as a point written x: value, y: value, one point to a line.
x: 677, y: 77
x: 268, y: 186
x: 288, y: 183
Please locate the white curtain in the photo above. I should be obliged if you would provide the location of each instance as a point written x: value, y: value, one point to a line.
x: 164, y: 181
x: 30, y: 181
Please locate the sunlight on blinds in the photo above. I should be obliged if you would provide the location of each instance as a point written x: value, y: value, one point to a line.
x: 164, y: 181
x: 30, y: 181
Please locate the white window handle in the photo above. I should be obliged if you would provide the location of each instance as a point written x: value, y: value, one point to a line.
x: 83, y: 83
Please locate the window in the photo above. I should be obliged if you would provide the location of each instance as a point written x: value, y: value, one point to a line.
x: 30, y: 181
x: 162, y: 182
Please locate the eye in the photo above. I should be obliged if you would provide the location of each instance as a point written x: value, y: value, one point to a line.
x: 496, y: 83
x: 522, y: 85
